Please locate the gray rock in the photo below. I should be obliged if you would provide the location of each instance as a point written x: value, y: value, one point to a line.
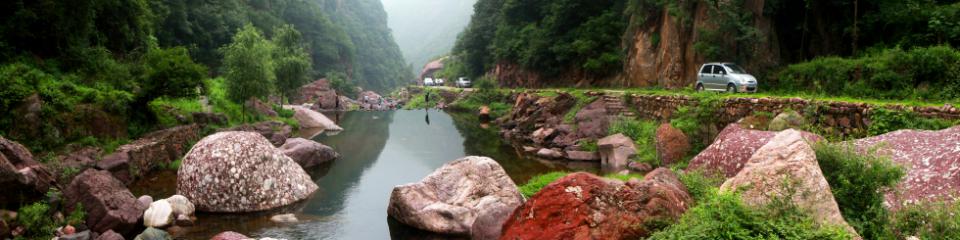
x: 153, y: 234
x: 616, y: 151
x: 159, y: 215
x: 110, y: 235
x: 181, y: 205
x: 84, y: 235
x: 308, y: 153
x: 240, y: 172
x: 284, y: 218
x: 786, y: 120
x: 450, y: 199
x: 583, y: 156
x: 312, y: 119
x: 549, y: 153
x: 145, y: 200
x: 183, y: 221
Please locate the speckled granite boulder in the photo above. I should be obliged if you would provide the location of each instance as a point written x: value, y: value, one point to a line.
x: 931, y: 159
x: 734, y: 146
x: 240, y: 172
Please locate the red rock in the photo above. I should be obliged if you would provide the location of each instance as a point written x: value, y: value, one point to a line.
x: 21, y: 175
x: 584, y: 206
x: 260, y: 107
x: 109, y: 205
x: 672, y: 145
x: 229, y: 236
x: 592, y: 120
x: 931, y: 159
x: 732, y: 149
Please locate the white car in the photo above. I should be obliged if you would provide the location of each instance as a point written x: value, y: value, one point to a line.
x: 428, y: 82
x: 464, y: 82
x: 725, y: 77
x: 438, y: 82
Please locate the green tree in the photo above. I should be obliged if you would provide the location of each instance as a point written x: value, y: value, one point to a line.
x: 249, y: 68
x: 170, y: 72
x: 291, y: 59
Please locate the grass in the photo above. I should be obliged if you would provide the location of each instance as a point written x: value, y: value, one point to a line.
x: 582, y: 101
x: 624, y: 177
x: 538, y: 182
x: 166, y: 109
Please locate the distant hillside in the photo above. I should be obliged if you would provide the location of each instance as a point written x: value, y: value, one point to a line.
x: 426, y: 29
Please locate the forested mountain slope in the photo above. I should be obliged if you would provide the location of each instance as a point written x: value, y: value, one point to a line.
x: 662, y: 43
x: 427, y: 29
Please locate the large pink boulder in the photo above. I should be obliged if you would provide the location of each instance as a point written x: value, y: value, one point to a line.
x: 733, y: 147
x: 932, y: 161
x: 108, y: 203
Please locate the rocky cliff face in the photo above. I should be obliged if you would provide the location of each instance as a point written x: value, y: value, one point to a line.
x: 661, y: 49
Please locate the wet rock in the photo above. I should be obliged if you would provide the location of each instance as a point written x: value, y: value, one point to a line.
x: 275, y: 131
x: 110, y: 235
x: 21, y: 175
x: 83, y: 235
x: 158, y: 215
x: 672, y: 145
x: 549, y: 153
x: 240, y: 172
x: 147, y: 153
x: 145, y: 201
x: 786, y: 120
x: 639, y: 167
x: 450, y: 199
x: 108, y: 203
x: 616, y: 151
x: 261, y: 108
x: 732, y: 149
x: 529, y: 149
x: 284, y: 218
x: 584, y: 206
x: 931, y: 160
x: 183, y: 221
x: 180, y: 205
x: 308, y: 153
x: 543, y: 135
x: 592, y: 120
x: 312, y: 119
x: 787, y: 163
x: 229, y: 236
x: 153, y: 234
x: 583, y: 156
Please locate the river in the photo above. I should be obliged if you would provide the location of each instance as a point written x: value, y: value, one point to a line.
x: 379, y: 150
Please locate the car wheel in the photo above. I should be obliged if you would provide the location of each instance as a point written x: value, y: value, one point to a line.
x: 699, y: 87
x: 731, y: 88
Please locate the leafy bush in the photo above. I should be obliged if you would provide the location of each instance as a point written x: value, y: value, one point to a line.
x: 538, y: 182
x: 927, y: 73
x: 339, y: 83
x: 643, y: 134
x: 722, y: 215
x: 928, y: 221
x: 700, y: 184
x: 172, y: 73
x: 884, y: 121
x: 858, y: 182
x: 35, y: 218
x: 217, y: 95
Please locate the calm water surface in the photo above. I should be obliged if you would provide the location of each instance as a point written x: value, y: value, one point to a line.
x: 379, y: 151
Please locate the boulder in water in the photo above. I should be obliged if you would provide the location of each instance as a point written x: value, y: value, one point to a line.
x: 450, y: 199
x: 109, y: 205
x: 159, y: 215
x: 312, y: 119
x: 240, y: 172
x: 308, y: 153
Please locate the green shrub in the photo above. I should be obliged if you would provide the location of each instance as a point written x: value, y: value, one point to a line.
x: 725, y: 216
x: 216, y: 91
x: 858, y: 182
x: 926, y: 73
x: 171, y: 73
x: 538, y: 182
x: 35, y: 219
x: 928, y: 221
x: 884, y: 121
x: 624, y: 177
x: 419, y: 101
x: 643, y: 133
x: 588, y: 145
x: 700, y: 184
x: 166, y: 110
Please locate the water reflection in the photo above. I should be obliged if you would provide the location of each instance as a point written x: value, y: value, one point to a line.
x: 379, y: 150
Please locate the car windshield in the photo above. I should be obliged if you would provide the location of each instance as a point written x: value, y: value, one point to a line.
x: 735, y: 69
